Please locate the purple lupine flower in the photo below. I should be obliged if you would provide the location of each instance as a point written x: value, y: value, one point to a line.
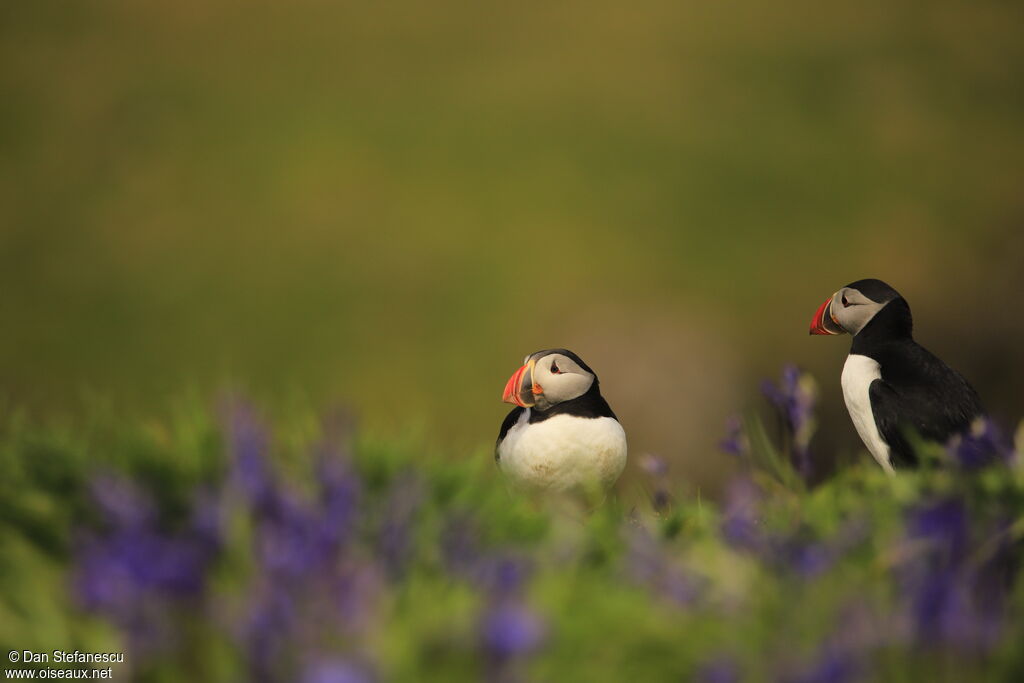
x: 351, y: 592
x: 206, y: 524
x: 984, y: 444
x: 394, y: 538
x: 340, y: 485
x: 292, y: 536
x: 945, y: 594
x: 794, y: 399
x: 808, y: 558
x: 647, y: 565
x: 268, y: 622
x: 459, y: 544
x: 502, y: 575
x: 741, y: 524
x: 307, y: 587
x: 736, y: 441
x: 830, y: 666
x: 943, y: 525
x: 657, y: 469
x: 335, y: 670
x: 134, y: 552
x: 134, y: 572
x: 340, y: 488
x: 510, y: 630
x: 122, y: 503
x: 860, y: 630
x: 941, y: 609
x: 653, y: 465
x: 248, y: 444
x: 286, y: 536
x: 808, y: 555
x: 995, y: 577
x: 719, y: 670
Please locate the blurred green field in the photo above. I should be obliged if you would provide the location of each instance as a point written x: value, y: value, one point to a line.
x: 382, y: 208
x: 388, y: 206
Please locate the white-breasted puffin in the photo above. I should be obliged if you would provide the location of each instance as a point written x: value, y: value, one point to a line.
x: 890, y: 382
x: 562, y: 435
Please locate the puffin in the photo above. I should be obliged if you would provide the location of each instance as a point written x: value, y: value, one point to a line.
x: 562, y: 435
x: 890, y: 382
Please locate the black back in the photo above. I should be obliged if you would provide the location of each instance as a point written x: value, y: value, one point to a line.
x: 917, y: 390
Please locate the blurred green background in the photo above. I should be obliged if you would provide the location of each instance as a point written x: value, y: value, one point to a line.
x: 388, y: 205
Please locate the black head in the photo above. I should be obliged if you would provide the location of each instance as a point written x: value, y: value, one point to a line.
x: 858, y: 304
x: 873, y: 289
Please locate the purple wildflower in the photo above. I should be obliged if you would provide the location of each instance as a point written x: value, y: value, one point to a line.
x: 943, y: 525
x: 249, y: 442
x: 133, y: 571
x: 269, y: 621
x: 736, y: 441
x: 984, y: 444
x: 653, y: 465
x: 121, y: 502
x: 207, y: 523
x: 503, y: 576
x: 941, y: 608
x: 719, y: 670
x: 510, y: 630
x: 741, y: 523
x: 335, y: 671
x: 949, y: 599
x: 794, y: 399
x: 340, y: 489
x: 394, y: 538
x: 657, y: 469
x: 459, y: 544
x: 995, y: 578
x: 649, y: 566
x: 830, y: 666
x: 808, y: 558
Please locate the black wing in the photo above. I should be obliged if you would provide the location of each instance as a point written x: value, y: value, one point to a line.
x: 920, y: 392
x: 891, y: 420
x: 510, y: 420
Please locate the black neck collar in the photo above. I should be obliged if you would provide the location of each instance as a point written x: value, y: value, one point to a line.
x: 590, y: 404
x: 891, y: 324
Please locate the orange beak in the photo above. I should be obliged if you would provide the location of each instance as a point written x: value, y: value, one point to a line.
x: 824, y: 322
x: 520, y: 388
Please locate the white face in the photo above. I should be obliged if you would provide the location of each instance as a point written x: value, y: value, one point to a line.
x: 558, y: 378
x: 546, y: 379
x: 852, y: 310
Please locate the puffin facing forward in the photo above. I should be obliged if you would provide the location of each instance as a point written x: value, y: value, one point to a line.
x: 890, y: 382
x: 562, y: 435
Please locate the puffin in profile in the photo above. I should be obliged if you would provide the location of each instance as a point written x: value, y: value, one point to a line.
x: 890, y: 382
x: 562, y: 435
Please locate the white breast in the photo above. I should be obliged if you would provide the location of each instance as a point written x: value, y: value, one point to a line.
x: 858, y: 374
x: 563, y: 452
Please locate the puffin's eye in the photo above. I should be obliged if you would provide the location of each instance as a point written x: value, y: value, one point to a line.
x: 845, y: 302
x: 554, y: 368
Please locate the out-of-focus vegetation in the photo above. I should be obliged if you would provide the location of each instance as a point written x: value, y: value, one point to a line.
x: 214, y: 550
x: 391, y: 205
x: 386, y: 206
